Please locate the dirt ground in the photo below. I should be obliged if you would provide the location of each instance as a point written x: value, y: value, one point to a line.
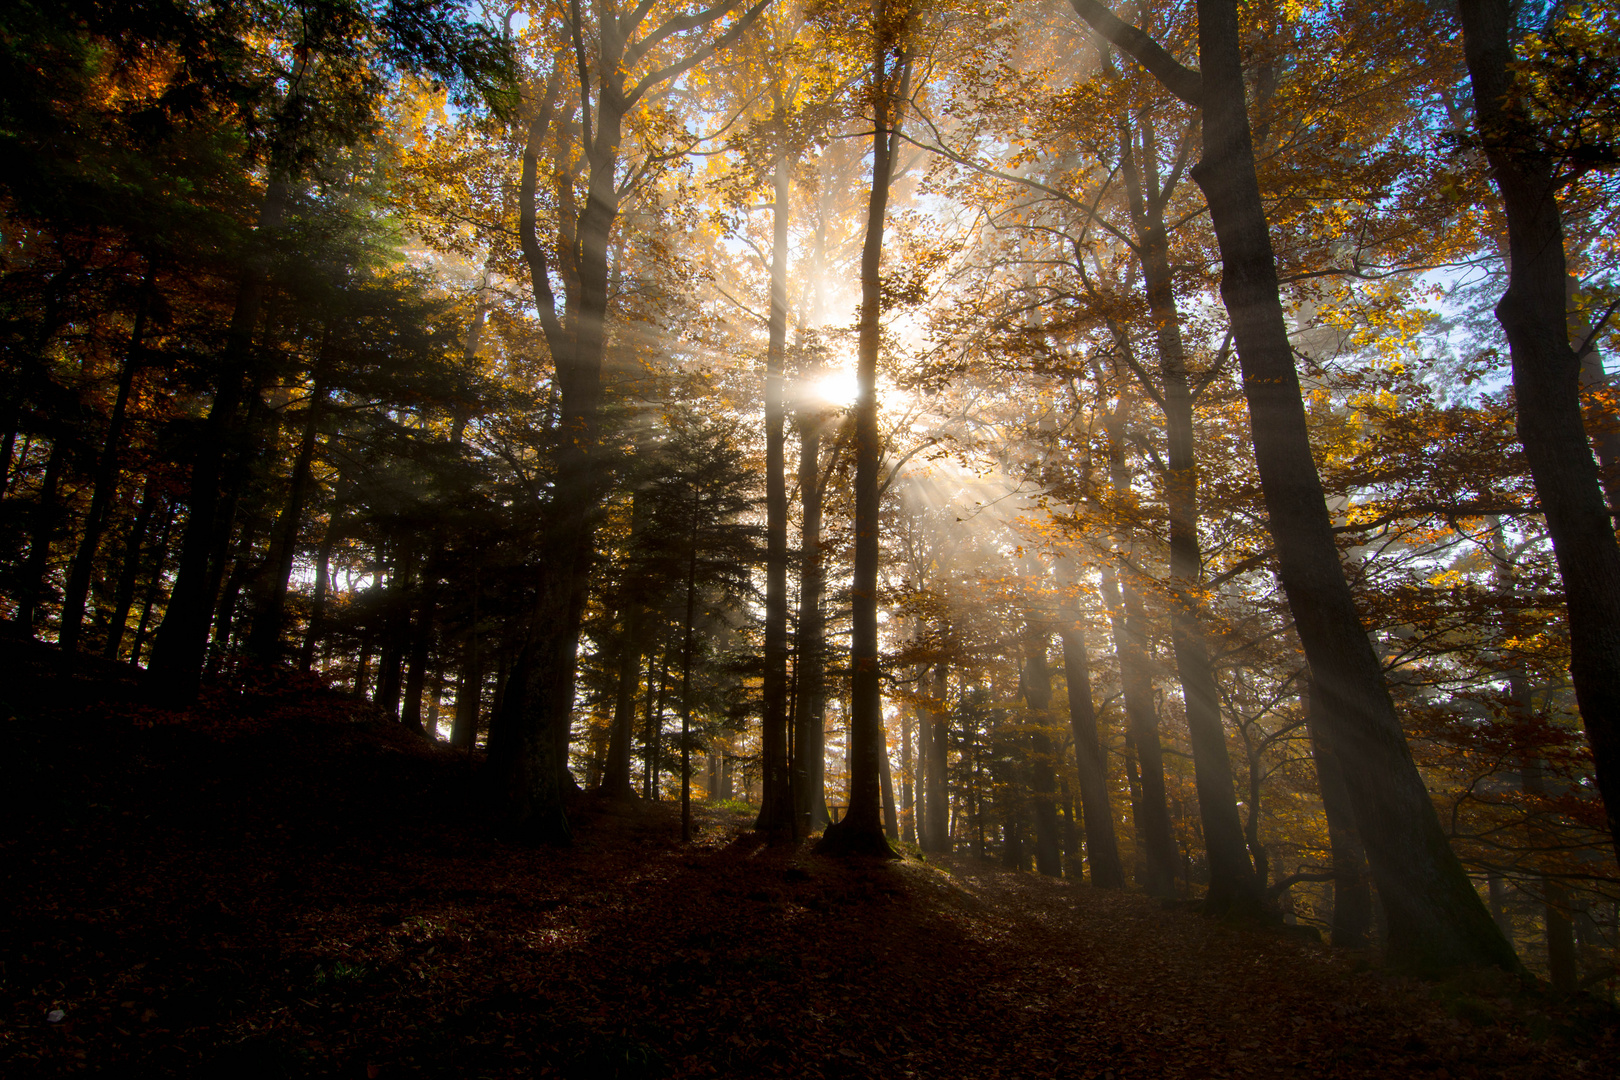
x: 272, y: 885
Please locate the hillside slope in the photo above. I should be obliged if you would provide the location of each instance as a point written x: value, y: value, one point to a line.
x: 274, y: 885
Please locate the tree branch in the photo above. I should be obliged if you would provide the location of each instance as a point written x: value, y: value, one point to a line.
x: 1176, y: 77
x: 681, y: 67
x: 1294, y: 879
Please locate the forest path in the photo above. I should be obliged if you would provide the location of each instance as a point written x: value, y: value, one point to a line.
x: 272, y: 890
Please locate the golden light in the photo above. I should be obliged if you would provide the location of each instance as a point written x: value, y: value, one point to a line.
x: 835, y: 388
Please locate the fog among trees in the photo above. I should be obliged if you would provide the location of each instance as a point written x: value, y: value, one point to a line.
x: 1167, y: 446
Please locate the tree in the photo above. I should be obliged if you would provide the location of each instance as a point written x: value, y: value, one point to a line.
x: 1436, y: 918
x: 527, y: 765
x: 1102, y: 848
x: 1547, y: 382
x: 695, y: 492
x: 860, y: 831
x: 325, y: 96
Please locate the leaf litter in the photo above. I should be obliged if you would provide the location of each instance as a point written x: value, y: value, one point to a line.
x: 280, y: 883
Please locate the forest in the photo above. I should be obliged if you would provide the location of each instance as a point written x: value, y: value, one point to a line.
x: 1166, y: 448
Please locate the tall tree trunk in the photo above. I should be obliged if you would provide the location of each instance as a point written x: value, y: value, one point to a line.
x: 31, y: 593
x: 181, y: 648
x: 655, y: 724
x: 861, y: 829
x: 1234, y: 887
x: 230, y: 602
x: 1071, y: 832
x: 908, y: 772
x: 129, y: 571
x: 938, y: 803
x: 1602, y: 416
x: 809, y: 735
x: 1102, y: 847
x: 1352, y: 894
x: 686, y: 687
x: 1251, y: 821
x: 235, y: 564
x: 362, y: 665
x: 427, y: 602
x: 616, y: 781
x: 1436, y: 919
x: 927, y: 840
x: 106, y: 487
x: 396, y: 632
x: 154, y: 582
x: 470, y: 684
x: 317, y: 605
x: 529, y: 795
x: 1562, y: 970
x: 264, y: 638
x: 891, y: 811
x: 532, y: 803
x: 1007, y: 761
x: 1154, y: 836
x: 1042, y: 766
x: 1546, y: 385
x: 776, y: 812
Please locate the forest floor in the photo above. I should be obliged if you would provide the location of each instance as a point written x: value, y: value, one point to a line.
x: 273, y: 885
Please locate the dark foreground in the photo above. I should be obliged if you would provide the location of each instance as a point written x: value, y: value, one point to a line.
x: 269, y: 887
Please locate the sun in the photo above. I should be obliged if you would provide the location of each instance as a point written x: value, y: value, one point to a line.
x: 836, y: 388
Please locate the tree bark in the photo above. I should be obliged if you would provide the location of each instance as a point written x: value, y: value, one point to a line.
x: 1234, y: 887
x: 652, y: 726
x: 938, y: 806
x: 616, y: 781
x: 427, y: 602
x: 1102, y: 847
x: 891, y: 812
x: 317, y: 607
x: 809, y: 736
x: 1154, y: 837
x: 908, y: 786
x: 31, y: 593
x: 686, y: 688
x: 264, y: 638
x: 860, y: 831
x: 1546, y: 385
x: 1042, y: 764
x: 395, y: 632
x: 530, y: 801
x: 154, y: 582
x: 106, y: 488
x: 469, y: 686
x: 776, y: 810
x: 1071, y: 832
x: 181, y: 647
x: 129, y: 571
x: 1436, y: 919
x: 1352, y: 894
x: 925, y: 751
x: 1602, y: 417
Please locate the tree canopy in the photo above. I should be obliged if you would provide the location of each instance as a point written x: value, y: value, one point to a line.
x: 1170, y: 446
